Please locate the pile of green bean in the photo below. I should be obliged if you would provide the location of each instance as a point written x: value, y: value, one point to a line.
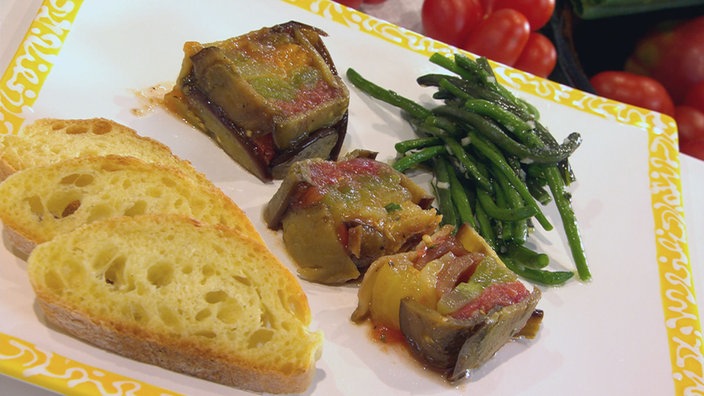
x: 495, y: 165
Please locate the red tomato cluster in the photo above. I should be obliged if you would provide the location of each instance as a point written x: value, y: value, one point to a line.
x: 635, y: 89
x: 505, y: 31
x: 665, y: 73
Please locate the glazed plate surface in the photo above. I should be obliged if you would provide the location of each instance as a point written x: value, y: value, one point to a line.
x: 632, y: 330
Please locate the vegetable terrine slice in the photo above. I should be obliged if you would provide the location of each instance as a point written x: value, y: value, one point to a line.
x: 268, y: 97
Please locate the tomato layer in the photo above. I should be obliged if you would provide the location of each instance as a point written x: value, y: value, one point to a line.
x: 496, y: 295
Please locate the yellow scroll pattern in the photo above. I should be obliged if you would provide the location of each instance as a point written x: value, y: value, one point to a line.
x: 22, y: 81
x: 677, y: 286
x: 30, y: 363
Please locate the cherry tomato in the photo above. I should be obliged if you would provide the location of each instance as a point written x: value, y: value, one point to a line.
x: 500, y: 37
x: 633, y: 89
x: 695, y: 148
x: 351, y: 3
x: 538, y: 56
x: 488, y: 6
x: 673, y: 56
x: 450, y: 21
x: 695, y: 96
x: 690, y: 123
x: 538, y: 12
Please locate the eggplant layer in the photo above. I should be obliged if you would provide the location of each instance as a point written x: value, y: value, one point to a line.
x: 268, y: 98
x: 339, y: 216
x: 453, y: 300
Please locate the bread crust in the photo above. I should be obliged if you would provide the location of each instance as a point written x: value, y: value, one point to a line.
x: 22, y: 244
x: 72, y: 301
x: 28, y: 229
x: 171, y: 354
x: 72, y: 138
x: 6, y: 169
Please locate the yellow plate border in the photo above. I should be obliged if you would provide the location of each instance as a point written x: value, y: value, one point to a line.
x: 21, y: 82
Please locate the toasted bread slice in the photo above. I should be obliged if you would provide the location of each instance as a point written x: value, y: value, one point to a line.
x: 40, y: 202
x: 51, y: 140
x: 197, y: 299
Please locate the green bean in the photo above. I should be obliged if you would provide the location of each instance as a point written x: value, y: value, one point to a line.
x: 447, y: 125
x: 504, y: 114
x: 497, y: 158
x: 541, y: 137
x: 533, y: 112
x: 387, y: 95
x: 566, y: 172
x: 536, y: 182
x: 557, y: 177
x: 527, y: 257
x: 479, y: 71
x: 504, y: 227
x: 444, y: 95
x: 483, y: 64
x: 509, y: 120
x: 460, y: 199
x: 476, y: 121
x: 410, y: 160
x: 550, y: 278
x: 441, y: 184
x: 434, y: 79
x: 520, y: 227
x: 474, y: 91
x: 415, y: 144
x: 484, y: 226
x: 569, y: 222
x: 550, y: 153
x: 482, y: 71
x: 535, y: 171
x: 497, y: 136
x: 480, y: 67
x: 447, y: 86
x: 470, y: 167
x: 451, y: 65
x: 538, y: 191
x: 508, y: 214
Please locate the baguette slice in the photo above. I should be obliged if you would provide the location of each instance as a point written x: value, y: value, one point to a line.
x: 51, y: 140
x: 192, y: 298
x: 40, y: 202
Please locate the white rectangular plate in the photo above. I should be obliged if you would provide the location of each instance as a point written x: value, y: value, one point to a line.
x: 632, y: 330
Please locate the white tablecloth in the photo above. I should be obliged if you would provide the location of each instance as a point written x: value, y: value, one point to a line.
x: 16, y: 15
